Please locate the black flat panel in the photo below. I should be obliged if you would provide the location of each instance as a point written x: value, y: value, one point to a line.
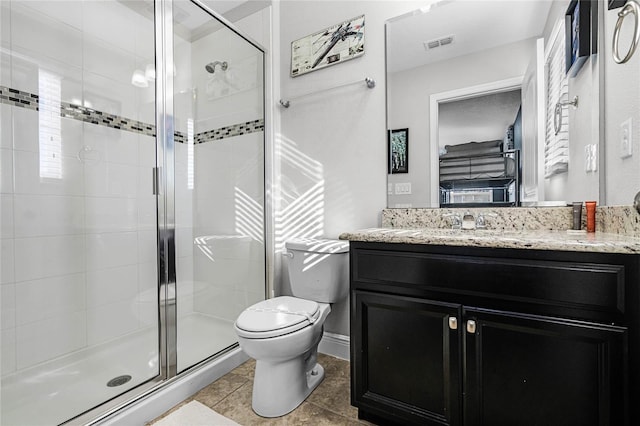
x: 587, y: 286
x: 557, y: 339
x: 408, y: 358
x: 538, y: 371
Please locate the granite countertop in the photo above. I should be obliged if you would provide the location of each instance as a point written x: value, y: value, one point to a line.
x: 533, y: 240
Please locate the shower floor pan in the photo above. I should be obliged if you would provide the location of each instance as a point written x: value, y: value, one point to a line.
x: 58, y: 390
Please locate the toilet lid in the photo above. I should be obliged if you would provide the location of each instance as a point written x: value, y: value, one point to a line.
x: 277, y: 316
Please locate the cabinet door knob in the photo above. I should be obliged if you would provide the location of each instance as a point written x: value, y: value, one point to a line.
x: 471, y: 327
x: 453, y: 323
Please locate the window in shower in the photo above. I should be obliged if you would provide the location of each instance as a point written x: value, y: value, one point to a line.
x: 219, y: 181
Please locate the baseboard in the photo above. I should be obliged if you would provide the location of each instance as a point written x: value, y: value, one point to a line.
x: 335, y: 345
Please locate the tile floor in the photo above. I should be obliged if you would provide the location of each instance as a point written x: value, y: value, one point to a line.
x: 329, y: 404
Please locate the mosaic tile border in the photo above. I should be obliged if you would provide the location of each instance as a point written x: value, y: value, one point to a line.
x: 31, y: 101
x: 230, y: 131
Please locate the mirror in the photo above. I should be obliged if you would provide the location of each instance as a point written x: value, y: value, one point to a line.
x: 479, y: 84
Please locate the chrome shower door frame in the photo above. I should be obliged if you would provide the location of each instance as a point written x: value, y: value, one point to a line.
x: 165, y: 176
x: 165, y: 192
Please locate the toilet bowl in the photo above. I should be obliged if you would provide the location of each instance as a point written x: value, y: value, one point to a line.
x: 282, y: 334
x: 286, y: 368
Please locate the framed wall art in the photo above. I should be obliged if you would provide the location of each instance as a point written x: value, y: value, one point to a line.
x: 398, y: 151
x: 330, y: 46
x: 578, y: 35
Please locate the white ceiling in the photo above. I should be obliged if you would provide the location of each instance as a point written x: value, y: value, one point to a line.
x: 475, y: 24
x: 223, y: 6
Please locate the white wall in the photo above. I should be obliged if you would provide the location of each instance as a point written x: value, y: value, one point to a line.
x: 622, y: 101
x: 332, y: 146
x: 335, y: 142
x: 483, y: 118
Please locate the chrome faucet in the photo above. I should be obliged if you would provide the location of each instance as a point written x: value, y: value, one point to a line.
x: 481, y: 221
x: 456, y: 222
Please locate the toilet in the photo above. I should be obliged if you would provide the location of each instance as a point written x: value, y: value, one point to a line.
x: 282, y: 334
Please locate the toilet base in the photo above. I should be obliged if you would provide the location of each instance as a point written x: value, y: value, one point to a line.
x: 280, y: 387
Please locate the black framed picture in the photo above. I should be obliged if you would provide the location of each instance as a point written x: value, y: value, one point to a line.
x: 398, y: 151
x: 578, y: 35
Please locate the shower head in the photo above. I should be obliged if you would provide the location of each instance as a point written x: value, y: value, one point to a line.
x: 211, y: 66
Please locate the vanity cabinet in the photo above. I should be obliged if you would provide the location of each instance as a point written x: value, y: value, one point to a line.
x: 446, y: 335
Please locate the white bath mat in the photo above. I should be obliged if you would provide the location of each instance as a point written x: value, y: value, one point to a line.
x: 195, y: 414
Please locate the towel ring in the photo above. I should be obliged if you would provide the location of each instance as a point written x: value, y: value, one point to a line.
x: 634, y: 9
x: 557, y: 114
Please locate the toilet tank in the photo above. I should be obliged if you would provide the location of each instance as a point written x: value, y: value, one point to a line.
x: 318, y: 269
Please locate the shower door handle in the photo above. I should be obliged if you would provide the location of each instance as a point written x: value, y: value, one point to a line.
x: 156, y: 180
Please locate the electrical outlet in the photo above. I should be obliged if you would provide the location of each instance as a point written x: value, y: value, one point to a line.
x: 403, y: 188
x: 626, y: 139
x: 591, y: 158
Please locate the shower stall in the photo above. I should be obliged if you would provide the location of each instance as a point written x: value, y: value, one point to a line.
x: 132, y: 199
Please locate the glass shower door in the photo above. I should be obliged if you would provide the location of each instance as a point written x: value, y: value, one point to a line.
x: 79, y: 279
x: 219, y: 181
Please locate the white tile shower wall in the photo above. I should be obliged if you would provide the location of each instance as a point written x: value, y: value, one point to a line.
x: 6, y: 216
x: 6, y: 129
x: 49, y: 297
x: 8, y: 257
x: 214, y: 179
x: 78, y: 252
x: 42, y: 257
x: 8, y: 314
x: 184, y: 211
x: 59, y: 234
x: 183, y: 86
x: 8, y: 350
x: 6, y: 173
x: 232, y: 96
x: 42, y: 340
x: 5, y: 61
x: 229, y: 262
x: 54, y: 39
x: 146, y: 300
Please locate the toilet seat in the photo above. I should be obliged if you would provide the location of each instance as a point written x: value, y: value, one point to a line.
x: 276, y: 317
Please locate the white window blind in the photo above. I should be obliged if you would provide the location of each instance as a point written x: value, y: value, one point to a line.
x: 556, y: 148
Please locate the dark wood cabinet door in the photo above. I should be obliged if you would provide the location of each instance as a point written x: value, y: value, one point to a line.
x: 406, y: 359
x: 528, y: 370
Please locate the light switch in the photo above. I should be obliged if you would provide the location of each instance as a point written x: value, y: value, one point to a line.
x: 591, y: 158
x: 626, y: 140
x: 593, y: 165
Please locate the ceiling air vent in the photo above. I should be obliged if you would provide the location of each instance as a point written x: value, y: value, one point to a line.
x: 446, y: 40
x: 442, y: 41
